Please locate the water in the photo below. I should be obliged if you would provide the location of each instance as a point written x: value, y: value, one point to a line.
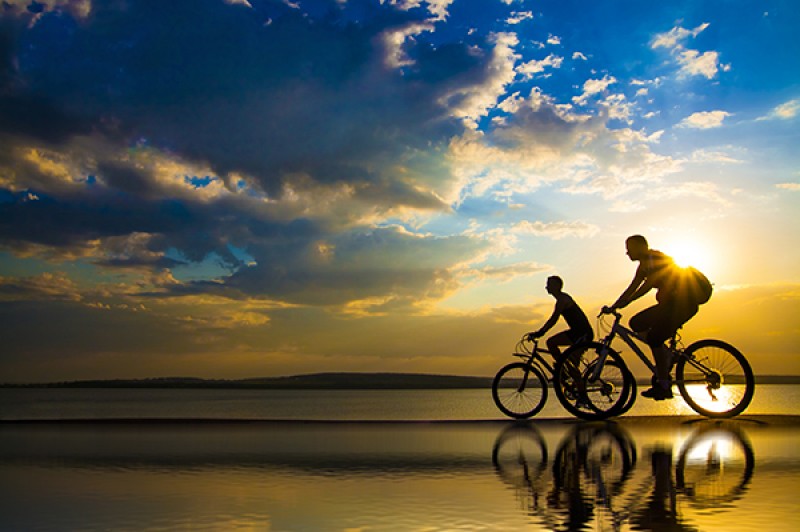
x: 354, y: 405
x: 641, y: 473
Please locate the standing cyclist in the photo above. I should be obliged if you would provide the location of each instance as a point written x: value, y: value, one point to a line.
x: 579, y: 327
x: 675, y: 306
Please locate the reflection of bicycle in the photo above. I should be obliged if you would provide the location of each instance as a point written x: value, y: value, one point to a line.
x: 591, y: 465
x: 715, y: 466
x: 713, y: 377
x: 520, y: 389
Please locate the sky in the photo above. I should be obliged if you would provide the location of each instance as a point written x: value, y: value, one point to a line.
x: 248, y: 188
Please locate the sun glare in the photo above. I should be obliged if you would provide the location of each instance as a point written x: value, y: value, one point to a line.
x: 691, y: 253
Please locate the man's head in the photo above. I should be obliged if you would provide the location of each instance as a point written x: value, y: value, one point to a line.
x: 636, y: 247
x: 554, y: 284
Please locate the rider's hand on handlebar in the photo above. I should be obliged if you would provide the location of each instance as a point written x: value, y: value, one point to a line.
x: 607, y: 310
x: 531, y: 336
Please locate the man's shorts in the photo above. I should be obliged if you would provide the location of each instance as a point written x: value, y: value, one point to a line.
x: 578, y: 335
x: 663, y: 320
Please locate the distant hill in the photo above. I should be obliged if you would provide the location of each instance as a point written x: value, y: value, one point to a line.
x: 322, y: 381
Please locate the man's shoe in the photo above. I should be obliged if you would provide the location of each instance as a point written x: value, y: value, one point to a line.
x: 658, y: 393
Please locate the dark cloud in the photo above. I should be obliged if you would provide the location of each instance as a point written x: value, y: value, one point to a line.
x: 299, y: 113
x: 243, y: 91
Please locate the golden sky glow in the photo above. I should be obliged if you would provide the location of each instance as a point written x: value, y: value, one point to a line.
x: 264, y: 188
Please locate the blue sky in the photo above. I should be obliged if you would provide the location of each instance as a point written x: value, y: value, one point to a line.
x: 215, y: 187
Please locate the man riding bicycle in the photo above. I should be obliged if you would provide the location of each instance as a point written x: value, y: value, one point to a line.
x: 675, y: 306
x: 579, y: 327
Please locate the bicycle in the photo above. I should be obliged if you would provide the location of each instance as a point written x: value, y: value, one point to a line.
x: 520, y: 398
x: 520, y: 389
x: 712, y: 376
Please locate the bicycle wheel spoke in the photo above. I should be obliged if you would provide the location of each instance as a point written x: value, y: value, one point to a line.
x: 519, y: 390
x: 715, y: 379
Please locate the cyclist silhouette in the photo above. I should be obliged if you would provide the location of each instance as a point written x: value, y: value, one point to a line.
x: 660, y: 322
x: 580, y: 330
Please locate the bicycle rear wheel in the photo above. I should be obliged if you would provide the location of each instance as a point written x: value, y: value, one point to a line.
x: 584, y: 396
x: 715, y: 379
x: 519, y: 390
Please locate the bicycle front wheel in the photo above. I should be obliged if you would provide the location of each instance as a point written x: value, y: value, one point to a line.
x: 715, y: 379
x: 519, y: 390
x: 586, y: 393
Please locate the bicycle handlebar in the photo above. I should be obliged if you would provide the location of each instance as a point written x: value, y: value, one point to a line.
x: 608, y: 310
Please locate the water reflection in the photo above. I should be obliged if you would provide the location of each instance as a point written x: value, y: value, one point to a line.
x: 591, y: 484
x: 663, y: 475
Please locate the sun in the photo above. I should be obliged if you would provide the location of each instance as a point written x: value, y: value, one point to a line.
x: 691, y: 253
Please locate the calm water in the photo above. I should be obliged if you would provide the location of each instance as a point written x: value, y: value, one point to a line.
x: 660, y: 473
x: 350, y: 405
x: 632, y: 475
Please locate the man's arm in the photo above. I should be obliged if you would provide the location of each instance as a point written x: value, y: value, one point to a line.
x: 551, y: 320
x: 639, y: 286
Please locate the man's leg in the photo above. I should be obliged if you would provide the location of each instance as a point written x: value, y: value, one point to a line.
x: 556, y: 341
x: 656, y: 322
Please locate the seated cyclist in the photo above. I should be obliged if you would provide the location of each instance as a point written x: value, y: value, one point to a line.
x: 579, y: 327
x: 660, y: 322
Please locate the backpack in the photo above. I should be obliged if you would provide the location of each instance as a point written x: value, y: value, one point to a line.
x: 694, y: 285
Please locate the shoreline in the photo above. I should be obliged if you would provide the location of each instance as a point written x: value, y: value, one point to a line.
x: 756, y: 419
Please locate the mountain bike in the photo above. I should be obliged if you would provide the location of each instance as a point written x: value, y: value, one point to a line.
x: 520, y: 389
x: 712, y: 376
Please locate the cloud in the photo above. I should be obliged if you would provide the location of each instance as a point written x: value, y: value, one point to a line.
x: 675, y: 37
x: 45, y: 287
x: 556, y: 230
x: 694, y: 63
x: 592, y: 87
x: 519, y: 16
x: 784, y: 111
x: 793, y: 187
x: 580, y: 56
x: 691, y: 62
x: 506, y: 273
x: 531, y: 68
x: 704, y: 120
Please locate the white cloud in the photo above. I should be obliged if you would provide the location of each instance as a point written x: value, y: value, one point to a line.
x: 579, y: 55
x: 618, y: 107
x: 713, y: 156
x: 553, y: 39
x: 675, y: 36
x: 531, y: 68
x: 470, y: 102
x: 592, y: 87
x: 395, y: 38
x: 437, y: 8
x: 556, y: 230
x: 704, y: 120
x: 694, y: 63
x: 785, y: 111
x: 519, y: 16
x: 794, y: 187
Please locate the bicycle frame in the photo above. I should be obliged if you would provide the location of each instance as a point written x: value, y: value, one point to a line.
x: 627, y: 336
x: 533, y: 358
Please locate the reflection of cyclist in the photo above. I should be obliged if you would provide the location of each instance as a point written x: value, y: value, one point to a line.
x: 579, y: 327
x: 661, y: 321
x: 661, y: 511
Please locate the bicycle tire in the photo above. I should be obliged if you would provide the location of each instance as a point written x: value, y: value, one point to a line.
x: 520, y: 456
x: 592, y: 400
x: 710, y: 478
x: 715, y: 379
x: 515, y: 394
